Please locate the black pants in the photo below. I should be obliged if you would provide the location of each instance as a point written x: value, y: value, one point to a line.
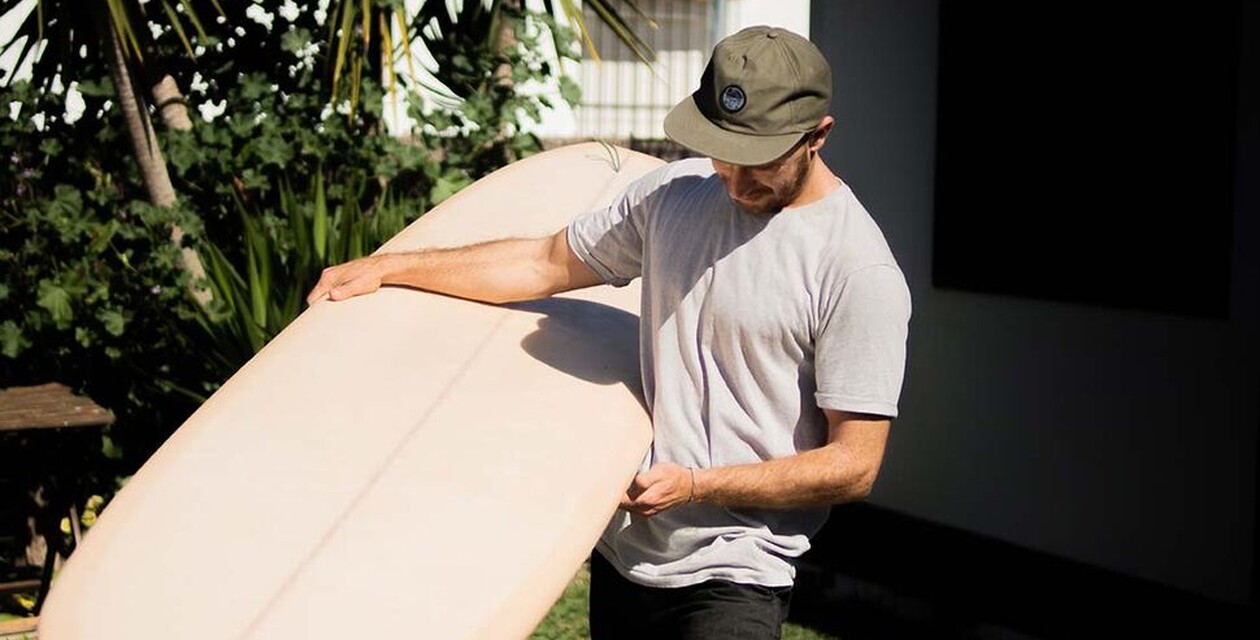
x: 713, y: 609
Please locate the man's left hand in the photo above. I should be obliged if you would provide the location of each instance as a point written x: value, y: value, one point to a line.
x: 663, y: 487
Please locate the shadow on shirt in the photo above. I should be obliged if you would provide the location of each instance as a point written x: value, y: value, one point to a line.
x: 587, y: 340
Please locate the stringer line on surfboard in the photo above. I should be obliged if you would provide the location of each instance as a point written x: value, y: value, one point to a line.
x: 385, y: 466
x: 335, y: 527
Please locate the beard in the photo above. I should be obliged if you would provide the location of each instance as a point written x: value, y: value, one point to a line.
x: 771, y: 198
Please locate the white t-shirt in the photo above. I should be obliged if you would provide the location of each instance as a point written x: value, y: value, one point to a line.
x: 749, y: 326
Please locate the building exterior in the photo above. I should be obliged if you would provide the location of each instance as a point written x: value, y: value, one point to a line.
x: 624, y: 99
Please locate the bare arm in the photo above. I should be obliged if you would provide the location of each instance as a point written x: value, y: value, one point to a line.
x: 498, y: 271
x: 843, y: 470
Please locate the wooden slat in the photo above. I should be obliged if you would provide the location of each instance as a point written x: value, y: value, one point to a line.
x: 48, y: 406
x: 18, y: 626
x: 19, y: 586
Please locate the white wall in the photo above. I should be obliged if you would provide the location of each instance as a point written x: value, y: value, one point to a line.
x: 675, y: 74
x: 9, y: 23
x: 792, y: 15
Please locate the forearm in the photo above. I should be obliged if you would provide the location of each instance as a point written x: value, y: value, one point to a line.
x: 843, y: 470
x: 819, y: 477
x: 498, y: 271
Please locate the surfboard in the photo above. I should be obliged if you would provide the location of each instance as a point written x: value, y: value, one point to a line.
x: 401, y: 464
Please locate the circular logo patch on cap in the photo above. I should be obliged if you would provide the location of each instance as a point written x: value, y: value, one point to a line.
x: 733, y: 99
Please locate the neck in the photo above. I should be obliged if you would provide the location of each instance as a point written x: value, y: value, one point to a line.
x: 819, y: 182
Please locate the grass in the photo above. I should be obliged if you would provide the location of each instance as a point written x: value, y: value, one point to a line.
x: 567, y: 618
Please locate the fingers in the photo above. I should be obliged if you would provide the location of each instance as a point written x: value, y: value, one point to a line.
x: 637, y: 486
x: 659, y: 489
x: 347, y: 280
x: 327, y: 280
x: 357, y: 285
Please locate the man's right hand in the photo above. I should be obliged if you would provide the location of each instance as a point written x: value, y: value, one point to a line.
x: 350, y: 279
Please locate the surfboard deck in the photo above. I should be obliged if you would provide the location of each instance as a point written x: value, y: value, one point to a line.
x: 401, y: 464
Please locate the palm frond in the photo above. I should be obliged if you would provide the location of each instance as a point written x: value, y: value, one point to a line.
x: 50, y: 35
x: 613, y: 18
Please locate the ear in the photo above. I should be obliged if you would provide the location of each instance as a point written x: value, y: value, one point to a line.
x: 819, y: 137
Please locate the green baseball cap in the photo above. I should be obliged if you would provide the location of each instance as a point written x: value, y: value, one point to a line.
x: 763, y: 89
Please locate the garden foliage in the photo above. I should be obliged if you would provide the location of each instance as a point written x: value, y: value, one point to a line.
x: 275, y: 181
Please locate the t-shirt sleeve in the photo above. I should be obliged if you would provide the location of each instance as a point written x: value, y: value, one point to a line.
x: 610, y: 240
x: 860, y: 348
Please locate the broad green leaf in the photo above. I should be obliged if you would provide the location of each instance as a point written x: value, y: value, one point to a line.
x: 447, y: 186
x: 100, y: 88
x: 113, y: 321
x: 50, y: 146
x: 12, y: 342
x: 184, y: 151
x: 56, y: 301
x: 102, y: 237
x: 570, y: 91
x: 109, y: 449
x: 274, y: 150
x: 295, y: 40
x: 254, y: 87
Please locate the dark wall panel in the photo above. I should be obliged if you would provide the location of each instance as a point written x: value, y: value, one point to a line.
x: 1085, y: 152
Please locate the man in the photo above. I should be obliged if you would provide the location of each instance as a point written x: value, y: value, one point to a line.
x: 773, y: 334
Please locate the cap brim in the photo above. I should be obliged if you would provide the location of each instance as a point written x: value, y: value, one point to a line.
x: 686, y: 125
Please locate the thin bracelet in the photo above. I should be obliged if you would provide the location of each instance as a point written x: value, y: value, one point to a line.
x: 692, y: 493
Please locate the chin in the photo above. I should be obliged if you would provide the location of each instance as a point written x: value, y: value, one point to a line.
x: 760, y: 208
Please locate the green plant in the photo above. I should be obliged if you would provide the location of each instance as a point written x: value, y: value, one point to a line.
x: 285, y: 199
x: 91, y: 291
x: 567, y: 619
x: 360, y: 30
x: 284, y: 255
x: 58, y: 39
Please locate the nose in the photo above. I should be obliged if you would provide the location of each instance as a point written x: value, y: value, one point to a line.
x: 740, y: 181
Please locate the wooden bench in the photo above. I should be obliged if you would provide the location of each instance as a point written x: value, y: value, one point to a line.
x: 18, y: 629
x: 33, y: 410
